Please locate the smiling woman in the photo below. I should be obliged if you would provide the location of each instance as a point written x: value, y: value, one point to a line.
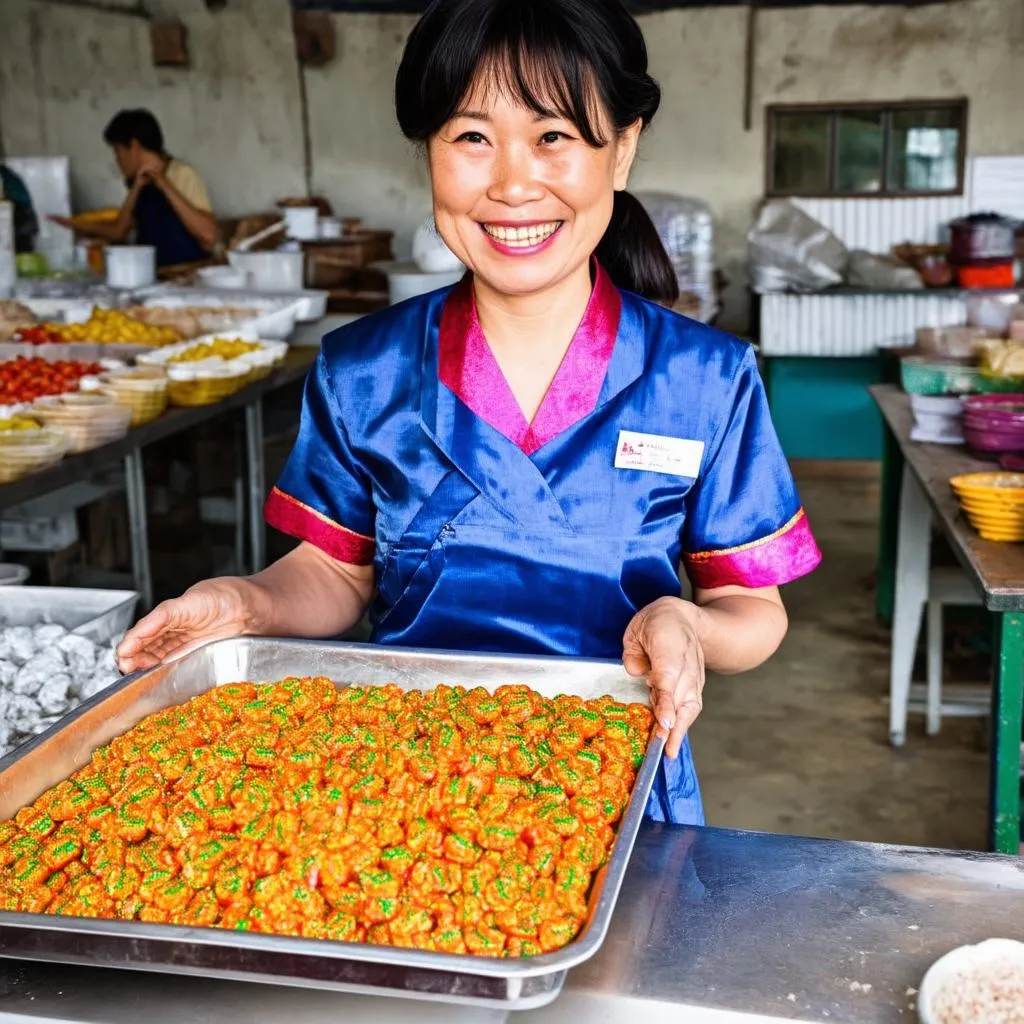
x: 531, y: 126
x: 520, y: 463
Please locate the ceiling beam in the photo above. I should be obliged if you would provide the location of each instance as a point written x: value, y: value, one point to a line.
x: 637, y: 6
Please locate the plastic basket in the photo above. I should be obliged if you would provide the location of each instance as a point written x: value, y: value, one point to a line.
x: 25, y: 452
x: 89, y: 419
x: 191, y: 386
x: 142, y: 390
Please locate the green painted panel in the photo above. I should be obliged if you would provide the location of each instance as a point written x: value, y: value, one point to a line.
x: 822, y: 409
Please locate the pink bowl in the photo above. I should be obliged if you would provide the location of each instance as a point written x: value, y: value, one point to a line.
x: 1007, y: 423
x: 988, y: 440
x: 1001, y: 405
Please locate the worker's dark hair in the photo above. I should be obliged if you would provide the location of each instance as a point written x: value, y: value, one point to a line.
x: 555, y: 56
x: 140, y: 124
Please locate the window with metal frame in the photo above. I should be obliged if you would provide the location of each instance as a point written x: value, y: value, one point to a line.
x: 866, y: 149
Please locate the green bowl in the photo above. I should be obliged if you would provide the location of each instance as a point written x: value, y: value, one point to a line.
x: 991, y: 383
x: 924, y: 377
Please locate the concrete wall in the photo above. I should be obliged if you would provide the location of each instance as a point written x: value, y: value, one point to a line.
x: 236, y: 112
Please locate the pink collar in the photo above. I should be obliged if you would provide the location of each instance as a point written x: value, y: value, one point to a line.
x: 467, y: 367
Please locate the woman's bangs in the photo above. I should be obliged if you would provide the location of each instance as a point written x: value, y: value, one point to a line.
x: 549, y: 78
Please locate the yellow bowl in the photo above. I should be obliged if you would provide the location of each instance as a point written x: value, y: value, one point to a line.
x: 990, y: 508
x: 994, y: 508
x: 1000, y: 537
x: 989, y: 485
x: 987, y: 526
x: 994, y: 496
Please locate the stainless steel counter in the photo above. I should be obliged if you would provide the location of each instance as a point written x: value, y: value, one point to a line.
x: 712, y: 927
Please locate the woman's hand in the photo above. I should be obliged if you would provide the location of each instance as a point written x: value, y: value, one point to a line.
x: 211, y: 610
x: 662, y: 644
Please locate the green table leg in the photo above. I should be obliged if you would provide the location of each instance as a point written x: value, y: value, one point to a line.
x: 892, y: 474
x: 1007, y: 702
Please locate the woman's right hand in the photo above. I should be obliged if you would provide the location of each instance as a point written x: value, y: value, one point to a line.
x: 211, y: 610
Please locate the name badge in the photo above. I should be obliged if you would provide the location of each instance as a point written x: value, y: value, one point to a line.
x: 656, y: 453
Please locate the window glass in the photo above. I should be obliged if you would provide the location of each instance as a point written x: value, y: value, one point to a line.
x: 924, y: 149
x: 859, y: 151
x: 800, y: 152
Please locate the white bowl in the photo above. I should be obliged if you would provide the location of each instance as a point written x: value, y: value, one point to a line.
x: 406, y: 280
x: 431, y: 254
x: 937, y: 405
x: 962, y: 960
x: 271, y: 271
x: 222, y: 277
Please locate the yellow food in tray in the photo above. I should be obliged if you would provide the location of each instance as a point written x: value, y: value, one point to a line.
x: 448, y: 820
x: 219, y: 348
x: 17, y: 423
x: 112, y: 326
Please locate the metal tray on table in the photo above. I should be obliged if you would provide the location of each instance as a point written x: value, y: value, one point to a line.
x: 311, y: 963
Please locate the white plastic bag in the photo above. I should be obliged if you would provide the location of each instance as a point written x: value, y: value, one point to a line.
x: 790, y: 251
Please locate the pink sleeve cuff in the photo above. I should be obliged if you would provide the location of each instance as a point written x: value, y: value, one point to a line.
x: 291, y: 516
x: 781, y: 557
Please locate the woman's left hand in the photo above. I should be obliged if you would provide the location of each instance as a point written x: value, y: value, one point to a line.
x: 662, y: 644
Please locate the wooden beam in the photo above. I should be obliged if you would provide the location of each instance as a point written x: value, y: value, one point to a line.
x: 636, y: 6
x: 134, y: 11
x: 749, y: 66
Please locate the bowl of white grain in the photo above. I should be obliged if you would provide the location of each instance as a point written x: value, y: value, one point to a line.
x: 982, y: 984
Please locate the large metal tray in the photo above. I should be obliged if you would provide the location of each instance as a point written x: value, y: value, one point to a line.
x: 310, y: 963
x: 99, y: 615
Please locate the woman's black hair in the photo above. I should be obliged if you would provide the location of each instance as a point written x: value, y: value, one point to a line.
x: 554, y: 56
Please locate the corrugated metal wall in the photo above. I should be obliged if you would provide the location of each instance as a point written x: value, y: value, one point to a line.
x: 857, y: 325
x: 878, y: 224
x: 851, y: 325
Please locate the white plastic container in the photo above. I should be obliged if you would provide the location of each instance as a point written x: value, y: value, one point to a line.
x: 222, y: 277
x: 130, y: 266
x: 406, y: 280
x: 330, y: 227
x: 271, y: 271
x: 301, y: 222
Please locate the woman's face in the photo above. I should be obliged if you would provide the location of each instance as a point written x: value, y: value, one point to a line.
x: 522, y: 199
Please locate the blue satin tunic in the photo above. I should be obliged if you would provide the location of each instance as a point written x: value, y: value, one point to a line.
x: 491, y: 534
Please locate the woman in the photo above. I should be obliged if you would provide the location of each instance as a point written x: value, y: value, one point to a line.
x: 518, y: 463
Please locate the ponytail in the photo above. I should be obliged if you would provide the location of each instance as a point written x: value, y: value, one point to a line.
x: 632, y: 253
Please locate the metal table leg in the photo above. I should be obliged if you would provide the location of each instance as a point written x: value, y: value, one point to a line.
x: 892, y: 471
x: 241, y: 504
x: 1007, y: 701
x: 257, y: 485
x: 913, y: 564
x: 135, y: 492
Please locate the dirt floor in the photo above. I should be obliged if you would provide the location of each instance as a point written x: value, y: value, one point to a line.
x: 801, y: 745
